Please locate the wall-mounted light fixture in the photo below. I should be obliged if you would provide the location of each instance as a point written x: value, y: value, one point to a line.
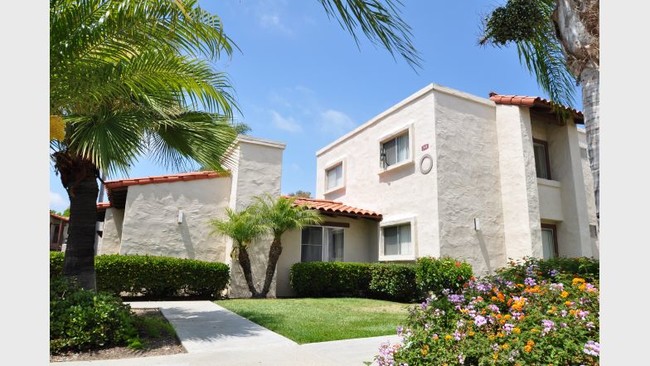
x: 477, y: 224
x: 180, y: 217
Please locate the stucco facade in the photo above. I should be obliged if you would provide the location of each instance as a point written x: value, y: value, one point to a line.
x: 441, y: 173
x: 468, y: 186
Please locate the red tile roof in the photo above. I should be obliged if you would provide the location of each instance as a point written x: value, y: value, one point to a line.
x: 112, y: 184
x: 103, y: 205
x: 526, y: 101
x: 337, y: 208
x: 62, y: 218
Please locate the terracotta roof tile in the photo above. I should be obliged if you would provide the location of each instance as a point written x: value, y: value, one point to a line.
x: 63, y: 218
x: 103, y: 205
x: 112, y: 184
x: 336, y: 208
x: 527, y: 101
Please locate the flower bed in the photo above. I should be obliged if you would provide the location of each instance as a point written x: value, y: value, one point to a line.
x: 551, y: 317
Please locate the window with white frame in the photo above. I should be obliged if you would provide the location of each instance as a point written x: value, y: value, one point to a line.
x: 542, y: 163
x: 395, y: 150
x: 334, y: 177
x: 549, y: 241
x: 321, y: 244
x: 397, y: 240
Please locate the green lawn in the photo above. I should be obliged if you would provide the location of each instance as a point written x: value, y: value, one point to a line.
x: 311, y: 320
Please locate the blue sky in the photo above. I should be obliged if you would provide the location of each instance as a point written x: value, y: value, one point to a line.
x: 300, y: 79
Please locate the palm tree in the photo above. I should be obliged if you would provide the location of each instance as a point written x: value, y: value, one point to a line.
x: 243, y: 227
x: 279, y: 215
x: 559, y: 42
x: 127, y: 78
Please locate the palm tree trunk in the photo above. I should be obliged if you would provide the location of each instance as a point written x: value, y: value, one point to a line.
x: 577, y: 26
x: 245, y: 263
x: 78, y: 176
x: 274, y: 255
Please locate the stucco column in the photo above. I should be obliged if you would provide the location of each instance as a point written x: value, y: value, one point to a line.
x: 520, y: 199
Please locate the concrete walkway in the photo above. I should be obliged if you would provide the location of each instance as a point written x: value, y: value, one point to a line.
x: 213, y: 335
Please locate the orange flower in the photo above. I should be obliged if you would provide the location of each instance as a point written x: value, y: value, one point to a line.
x: 425, y: 350
x: 564, y: 294
x: 507, y: 316
x: 577, y: 281
x: 516, y: 330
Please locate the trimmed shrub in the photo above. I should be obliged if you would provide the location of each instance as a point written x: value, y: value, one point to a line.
x: 330, y: 279
x: 395, y: 282
x: 153, y: 277
x: 82, y: 320
x: 437, y: 274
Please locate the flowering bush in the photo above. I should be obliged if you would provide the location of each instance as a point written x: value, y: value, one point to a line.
x: 547, y: 318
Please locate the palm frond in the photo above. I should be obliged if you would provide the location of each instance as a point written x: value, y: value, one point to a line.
x: 280, y: 214
x: 380, y: 22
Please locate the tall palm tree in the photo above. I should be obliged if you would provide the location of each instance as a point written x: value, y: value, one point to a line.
x: 243, y: 227
x: 127, y: 78
x: 279, y: 215
x: 559, y: 42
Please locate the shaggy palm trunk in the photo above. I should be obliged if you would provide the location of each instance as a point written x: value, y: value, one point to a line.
x: 274, y: 256
x: 245, y: 264
x: 79, y: 179
x: 577, y: 25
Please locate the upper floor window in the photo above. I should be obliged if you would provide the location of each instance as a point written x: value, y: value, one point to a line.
x: 334, y: 177
x: 395, y: 150
x: 542, y: 163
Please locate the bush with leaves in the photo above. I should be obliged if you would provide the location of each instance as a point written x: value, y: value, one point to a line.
x: 82, y: 319
x: 544, y: 319
x: 437, y: 274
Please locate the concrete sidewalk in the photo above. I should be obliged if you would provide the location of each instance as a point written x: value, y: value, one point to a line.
x: 213, y: 335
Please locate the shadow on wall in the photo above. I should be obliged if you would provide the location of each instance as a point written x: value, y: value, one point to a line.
x: 184, y: 229
x: 484, y: 251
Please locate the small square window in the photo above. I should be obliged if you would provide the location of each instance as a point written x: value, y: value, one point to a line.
x: 395, y: 150
x: 542, y: 163
x: 334, y: 177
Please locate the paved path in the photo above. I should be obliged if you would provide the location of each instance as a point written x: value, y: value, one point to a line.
x: 213, y: 335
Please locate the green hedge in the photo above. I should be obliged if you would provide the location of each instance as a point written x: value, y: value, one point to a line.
x: 437, y: 274
x: 152, y: 277
x: 389, y: 281
x: 330, y: 279
x: 394, y: 282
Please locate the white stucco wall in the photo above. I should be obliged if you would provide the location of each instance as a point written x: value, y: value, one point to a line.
x: 257, y: 170
x: 594, y: 230
x: 519, y: 191
x: 398, y: 194
x: 567, y: 168
x: 469, y: 184
x: 151, y: 225
x: 112, y: 232
x: 359, y: 245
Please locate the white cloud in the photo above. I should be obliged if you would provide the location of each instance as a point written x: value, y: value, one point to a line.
x: 286, y: 124
x: 336, y: 122
x: 58, y: 202
x: 273, y: 21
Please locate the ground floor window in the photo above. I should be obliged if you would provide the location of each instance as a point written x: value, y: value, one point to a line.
x: 321, y: 244
x: 397, y: 240
x: 549, y: 241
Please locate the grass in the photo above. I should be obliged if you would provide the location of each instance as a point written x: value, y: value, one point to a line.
x: 309, y: 320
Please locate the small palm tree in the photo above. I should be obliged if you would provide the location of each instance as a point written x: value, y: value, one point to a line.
x: 243, y: 227
x: 279, y: 215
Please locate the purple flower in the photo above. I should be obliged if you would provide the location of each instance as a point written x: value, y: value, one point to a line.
x: 590, y: 325
x: 553, y: 272
x: 507, y: 327
x: 480, y: 321
x: 457, y: 335
x: 592, y: 348
x: 530, y: 281
x: 456, y: 299
x: 557, y: 286
x: 461, y: 359
x: 495, y: 347
x: 548, y: 326
x: 493, y: 308
x: 582, y: 314
x: 400, y: 329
